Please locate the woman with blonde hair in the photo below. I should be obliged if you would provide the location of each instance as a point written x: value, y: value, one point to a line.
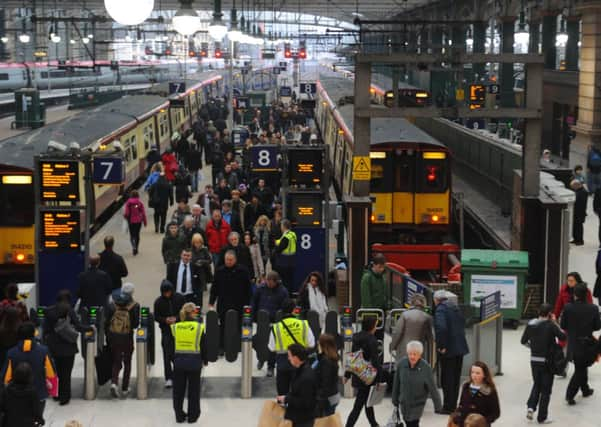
x: 262, y: 232
x: 201, y: 265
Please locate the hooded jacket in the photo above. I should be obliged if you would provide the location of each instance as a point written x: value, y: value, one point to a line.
x: 20, y: 406
x: 167, y: 307
x: 373, y: 290
x: 134, y: 211
x: 172, y: 246
x: 37, y: 356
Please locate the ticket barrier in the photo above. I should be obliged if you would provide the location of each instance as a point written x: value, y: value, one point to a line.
x: 94, y: 318
x: 144, y: 351
x: 246, y: 338
x: 347, y: 331
x: 38, y: 317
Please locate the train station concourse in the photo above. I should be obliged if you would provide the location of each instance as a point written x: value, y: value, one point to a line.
x: 292, y: 214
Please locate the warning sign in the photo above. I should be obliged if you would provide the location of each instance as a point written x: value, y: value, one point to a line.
x: 361, y: 168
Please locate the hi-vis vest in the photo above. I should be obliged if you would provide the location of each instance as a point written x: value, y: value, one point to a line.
x: 187, y: 336
x: 283, y: 339
x: 291, y: 248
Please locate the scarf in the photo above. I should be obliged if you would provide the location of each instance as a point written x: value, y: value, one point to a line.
x: 318, y: 303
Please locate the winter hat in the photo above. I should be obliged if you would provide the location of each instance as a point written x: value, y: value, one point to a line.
x: 128, y: 288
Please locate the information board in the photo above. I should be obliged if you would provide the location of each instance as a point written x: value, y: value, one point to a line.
x: 264, y: 158
x: 485, y: 284
x: 177, y: 87
x: 413, y: 287
x: 60, y: 230
x: 310, y: 252
x: 305, y: 209
x: 59, y: 180
x: 305, y: 167
x: 108, y: 170
x: 285, y: 91
x: 490, y: 305
x: 308, y: 88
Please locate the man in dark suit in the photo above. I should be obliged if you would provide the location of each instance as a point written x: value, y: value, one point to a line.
x: 95, y: 285
x: 112, y: 263
x: 579, y: 320
x: 230, y: 290
x: 184, y: 277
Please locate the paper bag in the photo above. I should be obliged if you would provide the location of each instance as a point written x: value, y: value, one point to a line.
x: 272, y: 415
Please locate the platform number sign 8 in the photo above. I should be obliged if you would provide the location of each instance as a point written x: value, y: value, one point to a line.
x: 305, y: 241
x: 264, y: 159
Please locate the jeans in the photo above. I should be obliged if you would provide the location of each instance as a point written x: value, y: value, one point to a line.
x: 134, y: 234
x: 168, y: 346
x: 122, y: 349
x: 579, y: 381
x: 540, y: 395
x: 64, y: 367
x: 360, y: 401
x: 194, y: 177
x: 450, y: 377
x: 190, y: 380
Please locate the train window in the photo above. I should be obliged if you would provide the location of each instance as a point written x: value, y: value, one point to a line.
x: 3, y: 76
x: 16, y: 205
x: 134, y: 148
x: 163, y: 125
x: 404, y: 173
x: 148, y: 136
x: 381, y: 175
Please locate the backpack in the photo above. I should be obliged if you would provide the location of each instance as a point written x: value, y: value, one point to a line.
x: 594, y: 161
x: 120, y: 322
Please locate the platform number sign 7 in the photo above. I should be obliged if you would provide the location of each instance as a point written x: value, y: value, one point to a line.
x: 108, y: 170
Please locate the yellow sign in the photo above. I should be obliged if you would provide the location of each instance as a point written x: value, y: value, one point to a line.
x: 361, y: 168
x: 459, y: 94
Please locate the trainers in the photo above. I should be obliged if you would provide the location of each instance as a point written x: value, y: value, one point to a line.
x: 547, y: 421
x: 114, y: 391
x: 168, y: 384
x: 270, y: 372
x: 530, y: 413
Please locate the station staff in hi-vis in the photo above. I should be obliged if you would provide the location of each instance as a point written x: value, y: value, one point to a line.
x: 190, y: 355
x: 285, y: 256
x: 284, y: 333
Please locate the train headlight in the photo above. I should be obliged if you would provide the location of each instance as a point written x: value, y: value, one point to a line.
x: 20, y: 257
x: 435, y: 218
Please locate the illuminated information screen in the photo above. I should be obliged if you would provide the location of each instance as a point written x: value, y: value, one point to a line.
x: 305, y: 209
x: 305, y: 167
x: 60, y: 181
x: 60, y: 230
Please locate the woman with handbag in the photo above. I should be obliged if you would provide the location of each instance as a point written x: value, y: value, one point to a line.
x: 366, y: 342
x: 61, y: 333
x: 413, y: 383
x: 326, y: 367
x: 478, y: 396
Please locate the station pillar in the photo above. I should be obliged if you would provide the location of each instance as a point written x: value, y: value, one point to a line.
x: 479, y: 42
x: 507, y: 79
x: 549, y: 34
x: 572, y: 50
x: 588, y: 127
x: 357, y: 209
x: 534, y: 34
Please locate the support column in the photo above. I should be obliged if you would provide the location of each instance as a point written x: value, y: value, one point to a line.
x: 588, y: 128
x: 572, y: 50
x: 479, y: 41
x: 507, y: 80
x: 534, y: 39
x: 549, y: 34
x: 3, y: 51
x: 437, y: 78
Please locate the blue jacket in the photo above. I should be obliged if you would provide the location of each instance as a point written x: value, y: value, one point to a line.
x: 269, y: 299
x: 152, y: 178
x: 449, y: 325
x: 37, y: 356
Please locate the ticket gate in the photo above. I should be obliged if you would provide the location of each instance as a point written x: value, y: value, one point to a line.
x: 144, y: 351
x: 246, y: 338
x: 347, y: 332
x: 94, y: 318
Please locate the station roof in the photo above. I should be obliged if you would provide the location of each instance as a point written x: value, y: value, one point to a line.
x: 345, y: 10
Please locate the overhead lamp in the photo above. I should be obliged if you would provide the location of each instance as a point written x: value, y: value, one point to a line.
x: 128, y: 38
x: 234, y: 33
x: 522, y: 36
x: 186, y: 21
x: 561, y: 39
x: 469, y: 40
x: 85, y: 40
x: 71, y: 41
x: 54, y: 38
x: 90, y: 36
x: 4, y: 39
x: 24, y: 38
x: 217, y: 29
x: 130, y: 12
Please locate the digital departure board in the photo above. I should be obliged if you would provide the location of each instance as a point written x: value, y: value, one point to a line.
x: 60, y: 230
x: 305, y: 166
x: 59, y: 180
x: 305, y: 209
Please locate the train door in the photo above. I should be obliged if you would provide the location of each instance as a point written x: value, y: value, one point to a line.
x: 403, y: 192
x: 432, y: 190
x: 380, y: 187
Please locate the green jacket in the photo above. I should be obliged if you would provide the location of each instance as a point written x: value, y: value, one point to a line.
x: 373, y: 290
x: 411, y: 388
x: 172, y: 248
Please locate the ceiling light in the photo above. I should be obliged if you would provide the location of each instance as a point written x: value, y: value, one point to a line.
x: 234, y: 33
x: 186, y: 21
x: 85, y: 40
x: 24, y: 38
x: 128, y: 38
x: 522, y: 36
x: 55, y: 38
x: 130, y: 12
x: 4, y: 39
x: 217, y: 29
x: 72, y: 41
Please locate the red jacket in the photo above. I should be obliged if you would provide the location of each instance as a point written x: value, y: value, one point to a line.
x: 217, y: 237
x: 565, y: 297
x: 170, y: 165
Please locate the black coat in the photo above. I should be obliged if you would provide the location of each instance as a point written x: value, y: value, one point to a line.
x: 94, y: 288
x: 327, y: 380
x: 113, y: 264
x: 161, y: 193
x: 58, y: 346
x: 580, y: 205
x: 242, y: 255
x: 579, y: 320
x: 302, y: 400
x: 167, y: 307
x: 369, y: 344
x: 172, y: 270
x: 231, y: 289
x: 21, y: 406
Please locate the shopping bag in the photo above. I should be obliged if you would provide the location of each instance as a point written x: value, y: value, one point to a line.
x: 331, y: 421
x: 52, y: 386
x: 272, y: 415
x: 395, y: 418
x: 356, y: 364
x: 376, y: 394
x: 104, y: 365
x: 451, y: 422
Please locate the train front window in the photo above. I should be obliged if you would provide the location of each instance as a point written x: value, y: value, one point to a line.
x: 404, y: 167
x: 381, y: 177
x: 16, y: 204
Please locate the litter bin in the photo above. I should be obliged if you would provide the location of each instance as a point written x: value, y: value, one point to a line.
x: 29, y: 110
x: 488, y: 271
